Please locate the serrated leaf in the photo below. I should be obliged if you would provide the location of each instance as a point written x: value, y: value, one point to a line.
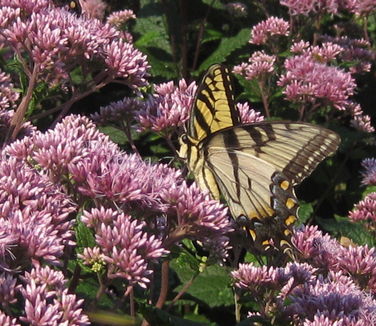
x: 211, y: 35
x: 225, y: 48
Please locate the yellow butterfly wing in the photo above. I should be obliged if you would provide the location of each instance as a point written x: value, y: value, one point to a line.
x: 253, y: 166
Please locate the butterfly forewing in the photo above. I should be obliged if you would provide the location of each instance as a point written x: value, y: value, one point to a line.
x: 294, y: 149
x: 214, y: 107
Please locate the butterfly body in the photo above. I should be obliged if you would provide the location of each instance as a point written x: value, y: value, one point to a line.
x: 254, y: 167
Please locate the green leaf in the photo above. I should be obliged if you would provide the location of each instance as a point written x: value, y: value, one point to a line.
x: 368, y: 190
x: 216, y: 4
x: 305, y: 211
x: 116, y: 135
x: 211, y: 35
x: 212, y: 286
x: 84, y: 235
x: 227, y: 46
x: 342, y: 226
x: 159, y: 317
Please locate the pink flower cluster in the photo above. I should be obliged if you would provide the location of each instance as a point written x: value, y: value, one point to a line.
x: 119, y: 18
x: 8, y: 96
x: 307, y: 80
x: 329, y: 284
x: 168, y: 108
x: 306, y: 7
x: 36, y: 225
x: 262, y: 32
x: 369, y: 173
x: 365, y: 211
x: 51, y: 42
x: 259, y: 65
x: 93, y: 169
x: 355, y: 51
x: 122, y: 245
x: 247, y: 114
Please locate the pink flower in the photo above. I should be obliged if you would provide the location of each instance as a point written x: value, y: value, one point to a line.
x: 35, y: 217
x: 119, y: 18
x: 319, y: 250
x: 355, y: 51
x: 7, y: 321
x: 126, y: 249
x: 306, y: 7
x: 118, y: 112
x: 248, y: 115
x: 306, y: 80
x: 48, y: 302
x: 124, y: 61
x: 359, y: 7
x: 267, y: 28
x: 168, y: 108
x: 8, y: 96
x: 365, y: 211
x: 369, y: 173
x: 93, y: 8
x: 260, y: 64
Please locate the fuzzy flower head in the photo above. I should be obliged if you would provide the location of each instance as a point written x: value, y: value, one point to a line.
x: 47, y: 301
x: 306, y: 80
x: 120, y: 18
x: 365, y: 211
x: 118, y: 112
x: 248, y: 115
x: 268, y: 28
x: 321, y: 251
x: 125, y: 248
x: 36, y: 223
x: 93, y: 8
x: 53, y: 42
x: 369, y: 172
x: 168, y: 108
x: 8, y: 96
x: 334, y: 300
x: 306, y: 7
x: 356, y: 52
x: 259, y: 65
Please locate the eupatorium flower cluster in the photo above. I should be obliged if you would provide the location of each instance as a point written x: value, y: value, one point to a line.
x: 45, y: 299
x: 365, y: 212
x: 168, y: 108
x: 307, y: 80
x: 52, y: 41
x: 92, y: 168
x: 268, y: 28
x: 122, y: 245
x: 36, y: 225
x: 369, y: 172
x: 331, y: 284
x: 259, y: 65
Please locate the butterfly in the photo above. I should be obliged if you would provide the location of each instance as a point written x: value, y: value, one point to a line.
x: 255, y: 166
